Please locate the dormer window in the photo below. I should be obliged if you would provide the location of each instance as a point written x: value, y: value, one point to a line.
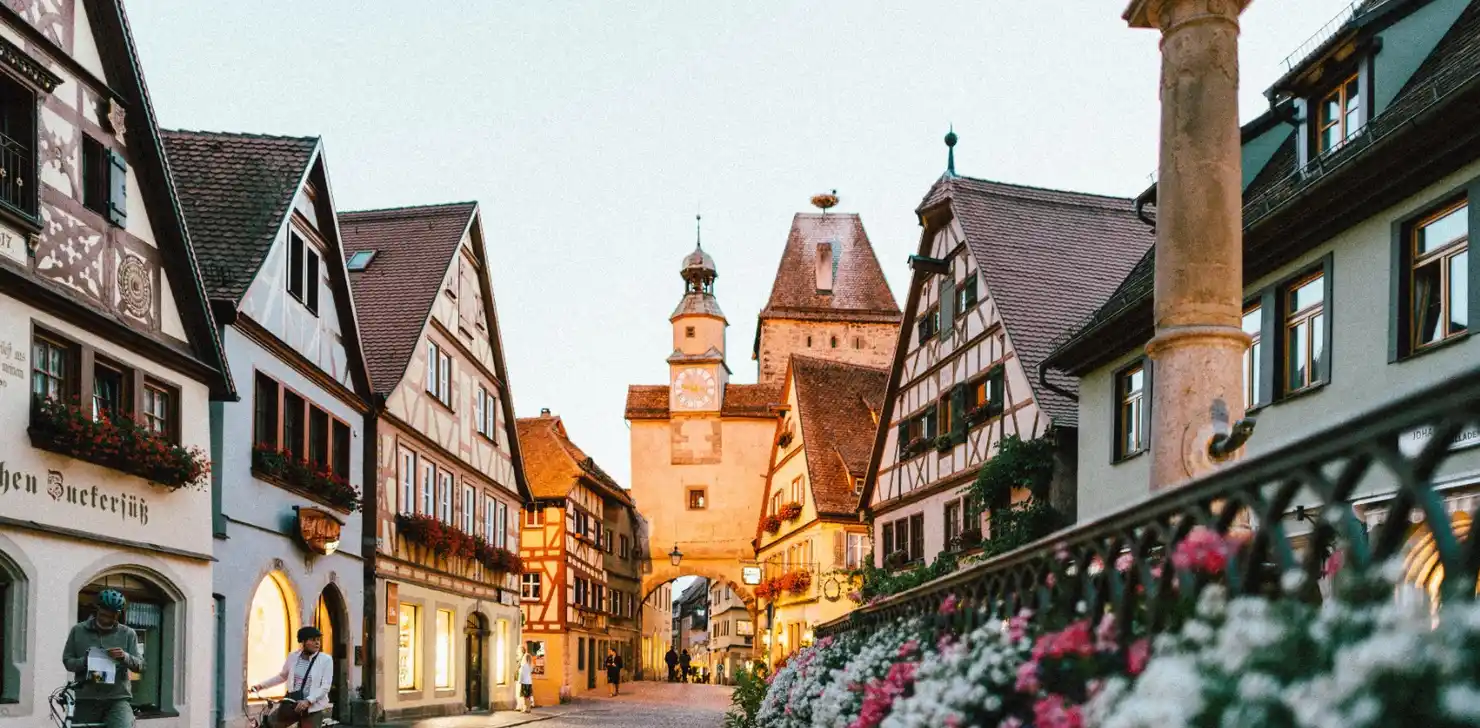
x: 303, y: 272
x: 360, y: 260
x: 1339, y: 115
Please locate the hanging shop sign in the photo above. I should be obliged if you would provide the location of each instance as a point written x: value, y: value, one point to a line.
x: 392, y: 603
x: 319, y: 530
x: 750, y: 575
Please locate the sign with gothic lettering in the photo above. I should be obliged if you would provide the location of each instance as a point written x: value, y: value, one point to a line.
x: 318, y: 530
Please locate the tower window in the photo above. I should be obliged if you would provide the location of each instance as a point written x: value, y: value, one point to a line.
x: 809, y: 342
x: 834, y: 342
x: 858, y: 342
x: 688, y: 332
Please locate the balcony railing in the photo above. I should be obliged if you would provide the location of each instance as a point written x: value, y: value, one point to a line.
x: 1365, y: 488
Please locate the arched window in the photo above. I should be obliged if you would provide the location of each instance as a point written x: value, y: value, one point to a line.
x: 1423, y: 572
x: 269, y: 633
x: 12, y: 616
x: 151, y: 614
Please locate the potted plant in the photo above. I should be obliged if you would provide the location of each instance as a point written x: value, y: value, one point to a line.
x: 282, y: 466
x: 790, y: 511
x: 796, y: 582
x: 980, y: 413
x: 916, y: 446
x: 969, y: 538
x: 772, y: 523
x: 897, y: 559
x: 943, y: 444
x: 121, y: 444
x: 785, y: 439
x: 768, y: 589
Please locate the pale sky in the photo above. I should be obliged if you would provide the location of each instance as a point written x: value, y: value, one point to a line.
x: 591, y: 132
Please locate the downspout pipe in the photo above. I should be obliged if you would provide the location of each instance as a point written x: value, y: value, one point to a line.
x: 1043, y: 379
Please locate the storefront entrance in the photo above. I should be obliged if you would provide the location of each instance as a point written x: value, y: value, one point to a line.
x: 476, y: 633
x: 328, y: 618
x: 590, y: 664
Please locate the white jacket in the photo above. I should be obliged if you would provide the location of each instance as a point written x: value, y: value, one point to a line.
x: 315, y: 685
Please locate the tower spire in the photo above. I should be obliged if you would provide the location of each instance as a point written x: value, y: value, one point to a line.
x: 698, y: 231
x: 951, y: 152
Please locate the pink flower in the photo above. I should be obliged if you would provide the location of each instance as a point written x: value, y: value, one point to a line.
x: 1050, y: 712
x: 1204, y: 551
x: 909, y: 649
x: 1137, y: 655
x: 1027, y: 678
x: 946, y: 640
x: 1017, y: 627
x: 1333, y: 564
x: 1105, y: 634
x: 879, y: 696
x: 1011, y: 722
x: 1123, y: 563
x: 949, y: 605
x: 1049, y: 581
x: 1074, y: 640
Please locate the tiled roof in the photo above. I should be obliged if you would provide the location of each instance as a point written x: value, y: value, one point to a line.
x: 554, y: 464
x: 837, y: 406
x: 859, y: 291
x: 1049, y: 258
x: 650, y: 401
x: 394, y: 295
x: 236, y: 190
x: 1454, y: 59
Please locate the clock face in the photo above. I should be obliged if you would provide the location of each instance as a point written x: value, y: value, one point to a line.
x: 694, y: 388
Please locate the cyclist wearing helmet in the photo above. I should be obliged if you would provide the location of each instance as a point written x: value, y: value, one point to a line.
x: 104, y: 695
x: 309, y: 674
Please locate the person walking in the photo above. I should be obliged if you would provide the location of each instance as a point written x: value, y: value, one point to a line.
x: 100, y: 653
x: 613, y: 671
x: 526, y: 681
x: 672, y: 659
x: 684, y: 661
x: 309, y: 673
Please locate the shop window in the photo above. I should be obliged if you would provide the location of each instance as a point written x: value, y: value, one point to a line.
x: 444, y: 649
x: 1438, y: 261
x: 151, y: 614
x: 1132, y: 415
x: 269, y: 634
x: 408, y: 678
x: 501, y: 651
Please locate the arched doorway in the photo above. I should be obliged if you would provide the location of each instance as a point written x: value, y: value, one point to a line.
x: 151, y: 614
x: 270, y: 631
x: 328, y: 618
x: 475, y: 633
x: 1423, y: 571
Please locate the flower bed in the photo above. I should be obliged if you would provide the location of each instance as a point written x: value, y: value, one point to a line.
x: 790, y: 511
x: 299, y: 473
x: 447, y: 541
x: 122, y: 445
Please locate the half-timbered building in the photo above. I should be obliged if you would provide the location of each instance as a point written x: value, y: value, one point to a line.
x: 622, y: 530
x: 1001, y: 270
x: 104, y: 330
x: 569, y: 596
x: 449, y: 480
x: 262, y: 215
x: 809, y: 538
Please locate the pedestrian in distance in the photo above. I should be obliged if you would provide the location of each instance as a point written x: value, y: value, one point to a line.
x: 672, y: 659
x: 684, y: 661
x: 613, y: 671
x: 526, y: 682
x: 100, y: 653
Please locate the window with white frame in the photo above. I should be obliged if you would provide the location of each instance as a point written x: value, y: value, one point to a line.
x: 428, y: 476
x: 489, y: 511
x: 408, y: 482
x: 439, y: 373
x: 469, y: 508
x: 444, y: 497
x: 501, y: 523
x: 530, y: 587
x: 857, y: 548
x: 485, y: 413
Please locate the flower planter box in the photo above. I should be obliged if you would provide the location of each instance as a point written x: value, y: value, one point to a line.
x: 772, y: 524
x: 121, y: 445
x: 790, y: 511
x: 447, y: 542
x: 297, y: 475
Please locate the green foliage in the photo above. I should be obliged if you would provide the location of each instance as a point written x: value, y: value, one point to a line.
x: 882, y: 582
x: 745, y: 702
x: 1020, y: 524
x: 1018, y: 463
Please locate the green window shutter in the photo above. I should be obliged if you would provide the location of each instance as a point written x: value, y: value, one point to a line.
x: 117, y: 189
x: 971, y: 290
x: 930, y: 426
x: 995, y: 390
x: 958, y: 413
x: 947, y: 306
x: 904, y: 438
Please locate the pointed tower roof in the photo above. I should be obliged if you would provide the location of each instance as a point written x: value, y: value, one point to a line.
x: 858, y: 291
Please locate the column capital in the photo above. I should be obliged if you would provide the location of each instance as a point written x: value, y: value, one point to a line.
x: 1163, y: 14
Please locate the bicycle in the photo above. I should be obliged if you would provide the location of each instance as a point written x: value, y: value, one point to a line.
x: 263, y: 719
x: 63, y: 705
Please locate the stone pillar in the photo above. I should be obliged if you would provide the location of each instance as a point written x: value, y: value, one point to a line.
x: 1197, y: 352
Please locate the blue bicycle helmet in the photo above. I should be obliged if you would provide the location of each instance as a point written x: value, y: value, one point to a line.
x: 112, y: 600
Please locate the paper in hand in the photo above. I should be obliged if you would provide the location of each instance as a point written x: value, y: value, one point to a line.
x: 101, y: 668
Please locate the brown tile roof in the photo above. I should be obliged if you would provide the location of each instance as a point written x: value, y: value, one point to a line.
x: 553, y: 464
x: 236, y: 190
x: 394, y: 295
x: 1049, y: 258
x: 837, y: 405
x: 859, y: 290
x: 650, y: 401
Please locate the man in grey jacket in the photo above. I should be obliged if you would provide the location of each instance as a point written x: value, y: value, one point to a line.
x: 105, y: 692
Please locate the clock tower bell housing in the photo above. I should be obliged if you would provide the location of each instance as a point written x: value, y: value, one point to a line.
x: 697, y: 371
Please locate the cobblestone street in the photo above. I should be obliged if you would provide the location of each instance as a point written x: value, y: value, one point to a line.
x: 641, y: 705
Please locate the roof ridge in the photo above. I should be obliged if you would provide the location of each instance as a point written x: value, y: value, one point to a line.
x: 407, y: 208
x: 1035, y: 188
x: 835, y: 362
x: 239, y: 135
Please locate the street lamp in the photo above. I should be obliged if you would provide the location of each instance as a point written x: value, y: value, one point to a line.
x: 675, y: 555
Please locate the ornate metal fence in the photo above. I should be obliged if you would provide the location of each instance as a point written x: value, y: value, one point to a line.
x: 1297, y: 506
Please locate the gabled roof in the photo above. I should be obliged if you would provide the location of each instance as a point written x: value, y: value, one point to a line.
x: 236, y: 190
x: 554, y: 465
x: 650, y: 401
x: 859, y: 291
x: 414, y: 248
x: 1049, y: 258
x: 837, y: 409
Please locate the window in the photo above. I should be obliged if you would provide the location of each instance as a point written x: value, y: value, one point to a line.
x: 580, y: 592
x: 469, y: 509
x: 408, y: 482
x: 914, y: 428
x: 439, y: 373
x: 986, y: 392
x: 108, y: 395
x: 265, y: 411
x: 158, y: 409
x: 834, y: 342
x: 1131, y: 412
x: 318, y: 438
x: 293, y: 424
x: 408, y: 644
x: 444, y: 497
x: 857, y: 547
x: 929, y: 324
x: 269, y: 633
x: 917, y: 537
x: 944, y: 414
x: 154, y: 618
x: 906, y: 535
x: 966, y: 295
x: 51, y: 365
x: 1340, y: 115
x: 697, y: 499
x: 428, y: 474
x: 775, y: 503
x: 857, y: 486
x: 952, y: 516
x: 445, y: 651
x: 530, y: 587
x: 303, y: 272
x: 798, y: 493
x: 488, y: 513
x: 622, y: 546
x: 295, y: 265
x: 18, y: 188
x: 1253, y: 325
x: 501, y: 648
x: 339, y: 461
x: 485, y: 413
x: 858, y: 342
x: 688, y: 332
x: 1440, y: 292
x: 534, y: 516
x: 1304, y: 335
x: 94, y: 175
x: 360, y: 260
x: 501, y: 525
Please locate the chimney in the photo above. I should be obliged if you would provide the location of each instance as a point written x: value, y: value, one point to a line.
x: 824, y: 266
x: 544, y: 411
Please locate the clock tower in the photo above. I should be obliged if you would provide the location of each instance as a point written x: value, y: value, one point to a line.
x: 696, y: 369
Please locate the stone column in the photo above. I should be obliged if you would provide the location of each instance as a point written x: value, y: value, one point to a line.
x: 1197, y: 352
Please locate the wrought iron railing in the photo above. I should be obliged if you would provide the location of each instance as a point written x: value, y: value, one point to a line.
x: 1319, y: 38
x: 1118, y: 563
x: 17, y: 189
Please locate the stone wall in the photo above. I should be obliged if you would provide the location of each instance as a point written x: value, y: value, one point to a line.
x: 868, y: 344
